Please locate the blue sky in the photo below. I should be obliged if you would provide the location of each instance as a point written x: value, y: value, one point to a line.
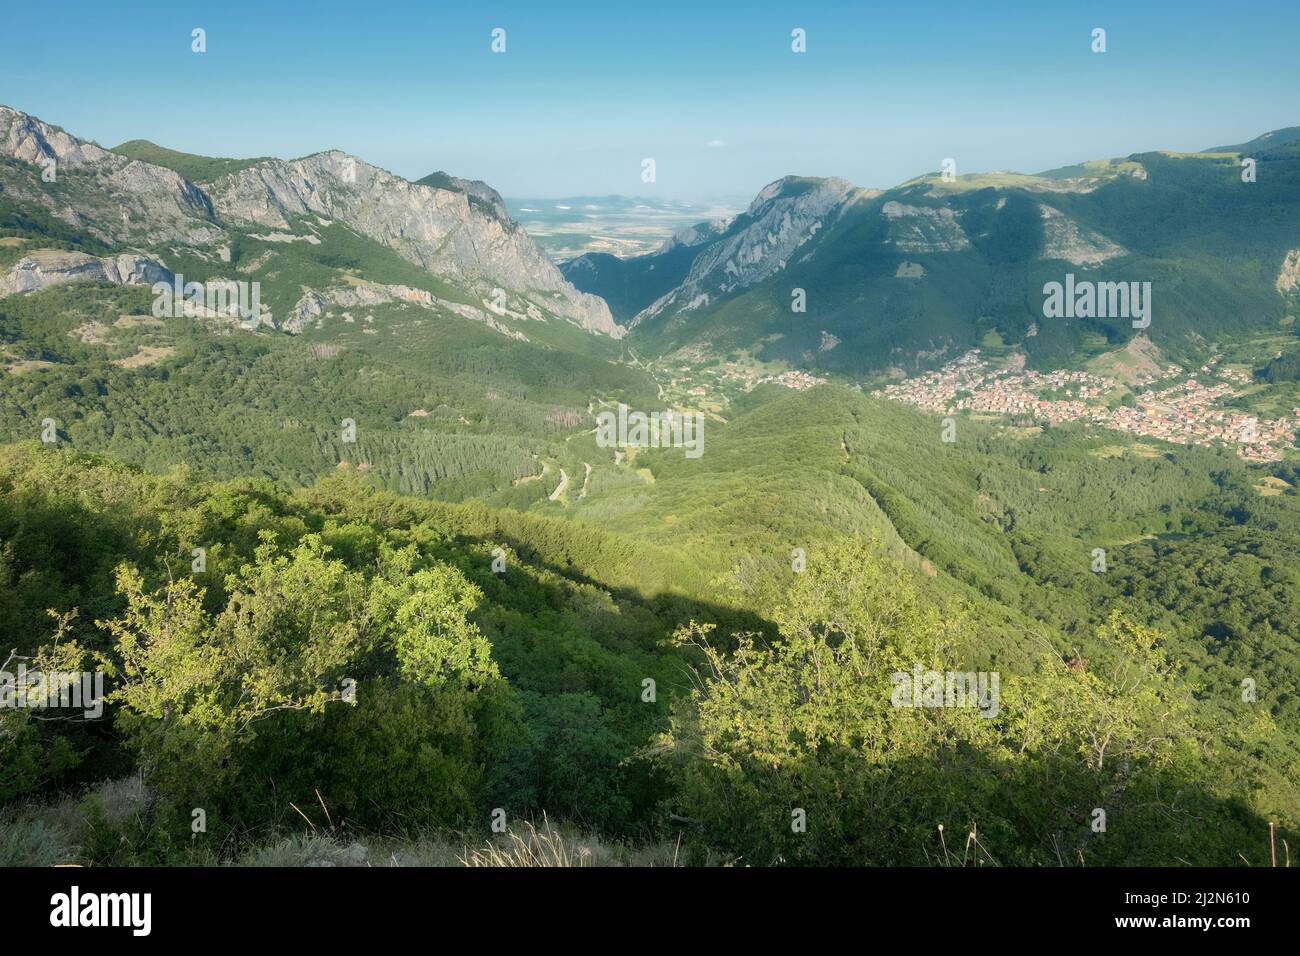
x: 710, y: 90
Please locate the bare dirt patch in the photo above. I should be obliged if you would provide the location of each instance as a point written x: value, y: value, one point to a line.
x: 147, y: 355
x: 136, y: 321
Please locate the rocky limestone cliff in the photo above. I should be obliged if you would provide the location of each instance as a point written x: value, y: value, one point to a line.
x: 312, y: 308
x: 1288, y: 277
x: 782, y: 217
x: 475, y: 188
x: 117, y: 200
x: 461, y: 233
x: 46, y: 268
x: 439, y: 229
x: 696, y: 235
x: 924, y: 228
x: 1063, y: 238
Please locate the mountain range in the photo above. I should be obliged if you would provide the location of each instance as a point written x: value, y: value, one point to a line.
x: 235, y: 220
x: 388, y: 474
x: 816, y: 273
x: 921, y: 272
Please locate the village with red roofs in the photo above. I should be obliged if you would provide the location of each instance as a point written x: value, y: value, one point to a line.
x: 1187, y: 408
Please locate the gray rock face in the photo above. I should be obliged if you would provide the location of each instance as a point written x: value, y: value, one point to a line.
x: 697, y: 234
x: 311, y: 308
x: 924, y: 228
x: 474, y: 187
x: 1063, y: 238
x: 439, y: 229
x: 1288, y: 277
x: 27, y: 138
x: 41, y: 270
x: 461, y: 232
x: 784, y: 215
x: 117, y: 200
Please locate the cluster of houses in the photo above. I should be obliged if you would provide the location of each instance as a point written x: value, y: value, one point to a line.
x: 1187, y: 412
x: 1230, y: 374
x: 746, y: 376
x: 794, y: 379
x: 970, y: 384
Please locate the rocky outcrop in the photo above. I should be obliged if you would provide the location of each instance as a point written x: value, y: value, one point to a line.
x: 629, y: 285
x: 26, y: 138
x: 476, y: 189
x: 439, y: 229
x: 458, y: 230
x: 696, y: 235
x: 753, y: 246
x: 1063, y: 238
x: 311, y: 309
x: 117, y: 200
x: 1288, y: 277
x: 43, y: 269
x: 924, y: 228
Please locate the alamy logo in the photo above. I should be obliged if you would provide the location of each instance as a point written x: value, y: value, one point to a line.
x: 1098, y: 300
x: 72, y: 690
x: 180, y: 299
x: 946, y: 689
x: 73, y: 909
x: 668, y: 429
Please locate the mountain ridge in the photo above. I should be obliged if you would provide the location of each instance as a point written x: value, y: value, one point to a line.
x: 931, y: 267
x: 130, y: 205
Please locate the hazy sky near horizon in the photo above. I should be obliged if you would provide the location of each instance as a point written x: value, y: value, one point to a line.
x: 585, y: 91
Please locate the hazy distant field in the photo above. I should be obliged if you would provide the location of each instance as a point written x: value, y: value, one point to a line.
x: 621, y: 225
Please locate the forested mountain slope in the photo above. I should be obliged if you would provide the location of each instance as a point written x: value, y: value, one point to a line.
x: 437, y: 404
x: 370, y: 554
x: 527, y: 682
x: 921, y: 272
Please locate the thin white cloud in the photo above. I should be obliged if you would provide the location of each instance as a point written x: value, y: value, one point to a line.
x: 716, y: 143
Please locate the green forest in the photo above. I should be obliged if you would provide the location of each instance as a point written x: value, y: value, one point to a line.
x: 364, y: 583
x: 694, y: 654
